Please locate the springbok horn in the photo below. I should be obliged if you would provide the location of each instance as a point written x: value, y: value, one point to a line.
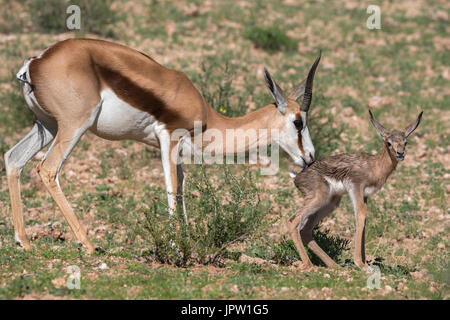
x: 307, y: 97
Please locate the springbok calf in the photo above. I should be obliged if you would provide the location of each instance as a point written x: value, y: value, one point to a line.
x: 119, y: 93
x: 325, y: 182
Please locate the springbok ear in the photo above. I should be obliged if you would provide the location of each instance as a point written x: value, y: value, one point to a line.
x: 306, y: 86
x: 409, y: 129
x: 381, y: 130
x: 276, y: 92
x: 298, y: 92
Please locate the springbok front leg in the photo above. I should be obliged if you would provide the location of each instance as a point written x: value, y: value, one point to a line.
x: 359, y: 205
x: 15, y: 159
x: 169, y: 164
x: 67, y: 137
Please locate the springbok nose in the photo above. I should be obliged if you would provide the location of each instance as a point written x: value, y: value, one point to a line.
x: 400, y: 154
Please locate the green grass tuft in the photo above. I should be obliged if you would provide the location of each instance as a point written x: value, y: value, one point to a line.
x: 270, y: 39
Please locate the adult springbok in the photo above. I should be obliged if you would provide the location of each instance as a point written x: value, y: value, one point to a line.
x: 119, y: 93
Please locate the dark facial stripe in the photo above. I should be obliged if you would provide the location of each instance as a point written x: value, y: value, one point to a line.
x: 299, y: 139
x: 300, y: 143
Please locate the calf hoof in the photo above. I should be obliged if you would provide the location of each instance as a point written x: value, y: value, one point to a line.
x: 303, y: 266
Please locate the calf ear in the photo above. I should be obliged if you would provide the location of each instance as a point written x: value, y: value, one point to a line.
x: 276, y: 92
x: 409, y: 129
x: 381, y: 130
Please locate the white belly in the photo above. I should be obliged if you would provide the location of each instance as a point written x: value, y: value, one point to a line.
x: 118, y: 120
x: 336, y: 187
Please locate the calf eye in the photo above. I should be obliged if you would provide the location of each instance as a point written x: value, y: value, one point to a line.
x: 298, y: 124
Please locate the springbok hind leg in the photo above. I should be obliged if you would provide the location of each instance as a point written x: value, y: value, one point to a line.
x: 65, y: 141
x: 15, y: 160
x: 295, y: 224
x: 306, y: 231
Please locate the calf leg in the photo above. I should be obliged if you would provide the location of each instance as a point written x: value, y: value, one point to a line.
x: 296, y: 223
x: 308, y: 226
x: 359, y: 204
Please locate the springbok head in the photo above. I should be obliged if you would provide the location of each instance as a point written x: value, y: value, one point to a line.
x: 395, y: 140
x: 294, y: 136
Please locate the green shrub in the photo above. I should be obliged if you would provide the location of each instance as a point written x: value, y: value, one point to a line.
x: 217, y: 217
x: 270, y: 39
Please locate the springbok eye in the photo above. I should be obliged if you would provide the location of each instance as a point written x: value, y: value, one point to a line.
x: 389, y: 144
x: 298, y: 124
x: 406, y: 142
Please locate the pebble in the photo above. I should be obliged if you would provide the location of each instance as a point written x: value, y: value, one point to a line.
x: 103, y: 266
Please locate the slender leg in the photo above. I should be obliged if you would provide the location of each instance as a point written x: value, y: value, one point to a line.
x: 180, y: 190
x: 356, y: 194
x: 306, y: 232
x: 65, y: 141
x: 170, y: 169
x: 295, y: 236
x: 49, y: 172
x: 15, y: 160
x: 295, y: 224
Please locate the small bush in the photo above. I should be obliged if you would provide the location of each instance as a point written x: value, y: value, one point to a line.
x: 270, y: 39
x: 285, y: 252
x: 217, y: 216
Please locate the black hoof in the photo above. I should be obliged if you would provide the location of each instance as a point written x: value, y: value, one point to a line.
x: 100, y: 250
